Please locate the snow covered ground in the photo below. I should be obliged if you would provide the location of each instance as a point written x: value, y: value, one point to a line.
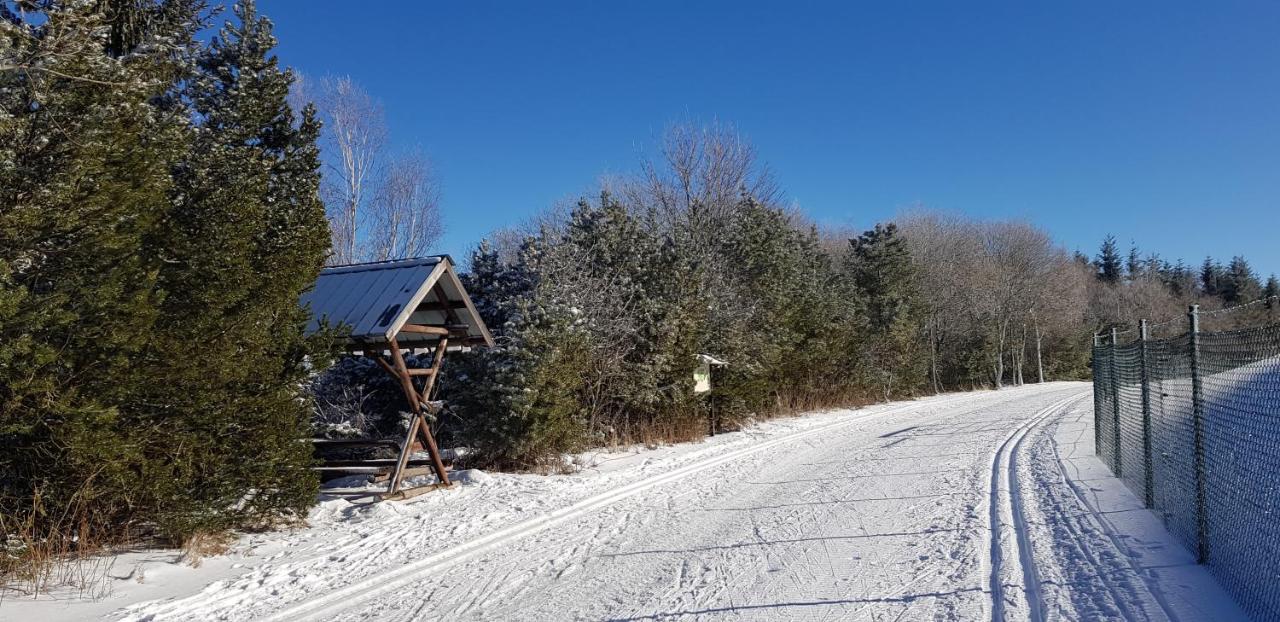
x: 959, y: 507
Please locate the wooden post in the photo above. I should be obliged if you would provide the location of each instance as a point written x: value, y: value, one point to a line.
x: 406, y: 449
x: 428, y: 439
x: 437, y: 362
x: 419, y: 424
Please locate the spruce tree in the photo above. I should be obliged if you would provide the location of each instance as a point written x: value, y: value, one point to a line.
x: 1211, y: 277
x: 1272, y: 292
x: 881, y: 268
x: 1108, y: 264
x: 526, y: 410
x: 1239, y: 283
x: 1133, y: 264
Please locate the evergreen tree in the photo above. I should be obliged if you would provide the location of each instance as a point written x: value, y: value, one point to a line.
x: 525, y: 412
x: 786, y: 308
x: 1177, y: 277
x: 1238, y: 283
x: 1108, y: 263
x: 1211, y: 277
x: 605, y: 250
x: 884, y: 275
x: 245, y: 236
x: 1272, y: 292
x: 87, y: 145
x: 1133, y: 264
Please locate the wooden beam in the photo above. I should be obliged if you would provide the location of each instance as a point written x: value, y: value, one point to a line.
x: 397, y: 472
x: 449, y: 316
x: 442, y: 306
x: 437, y: 361
x: 377, y: 462
x: 425, y: 330
x: 350, y: 442
x: 410, y: 471
x: 427, y: 438
x: 422, y: 372
x: 354, y: 469
x: 387, y: 366
x: 419, y: 428
x: 400, y: 495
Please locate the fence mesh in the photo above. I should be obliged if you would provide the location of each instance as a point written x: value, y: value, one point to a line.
x: 1191, y: 424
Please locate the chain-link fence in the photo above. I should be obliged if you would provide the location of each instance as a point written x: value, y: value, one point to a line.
x: 1191, y: 424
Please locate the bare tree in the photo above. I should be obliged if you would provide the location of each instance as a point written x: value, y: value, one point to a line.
x: 355, y: 134
x: 1004, y: 284
x: 945, y: 249
x: 700, y: 177
x: 405, y: 210
x: 1018, y: 261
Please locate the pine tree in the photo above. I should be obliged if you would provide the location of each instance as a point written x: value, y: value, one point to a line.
x: 1133, y: 264
x: 1272, y: 292
x: 756, y: 291
x: 526, y: 411
x: 244, y: 237
x: 884, y: 275
x: 1211, y: 277
x: 1238, y: 283
x: 1108, y: 261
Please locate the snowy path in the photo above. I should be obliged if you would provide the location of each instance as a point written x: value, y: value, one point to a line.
x: 976, y: 506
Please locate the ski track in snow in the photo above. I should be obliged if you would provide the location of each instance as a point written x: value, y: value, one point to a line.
x: 985, y: 505
x: 1009, y: 530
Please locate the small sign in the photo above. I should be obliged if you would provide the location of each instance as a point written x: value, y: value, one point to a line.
x: 702, y: 377
x: 702, y: 373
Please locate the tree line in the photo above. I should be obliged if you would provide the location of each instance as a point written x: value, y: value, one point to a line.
x: 600, y: 309
x: 1133, y: 286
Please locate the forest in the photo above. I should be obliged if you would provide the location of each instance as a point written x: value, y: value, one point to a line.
x: 166, y: 197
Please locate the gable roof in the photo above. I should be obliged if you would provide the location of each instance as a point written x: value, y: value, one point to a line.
x: 375, y: 300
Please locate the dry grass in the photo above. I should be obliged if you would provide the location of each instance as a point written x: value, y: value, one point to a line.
x: 204, y: 544
x: 71, y: 558
x: 33, y: 564
x: 695, y: 427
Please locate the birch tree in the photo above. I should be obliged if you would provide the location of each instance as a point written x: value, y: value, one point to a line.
x: 354, y: 139
x: 405, y: 210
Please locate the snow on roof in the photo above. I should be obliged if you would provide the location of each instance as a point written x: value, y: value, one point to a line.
x: 375, y: 300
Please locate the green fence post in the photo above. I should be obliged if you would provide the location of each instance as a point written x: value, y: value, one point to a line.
x: 1097, y: 396
x: 1197, y: 421
x: 1115, y: 402
x: 1148, y: 484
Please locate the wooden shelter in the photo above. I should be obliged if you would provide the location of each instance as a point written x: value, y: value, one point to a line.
x: 391, y: 307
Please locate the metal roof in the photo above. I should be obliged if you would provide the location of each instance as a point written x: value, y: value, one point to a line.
x: 376, y: 299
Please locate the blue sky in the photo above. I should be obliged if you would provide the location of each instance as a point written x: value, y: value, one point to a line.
x: 1156, y: 122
